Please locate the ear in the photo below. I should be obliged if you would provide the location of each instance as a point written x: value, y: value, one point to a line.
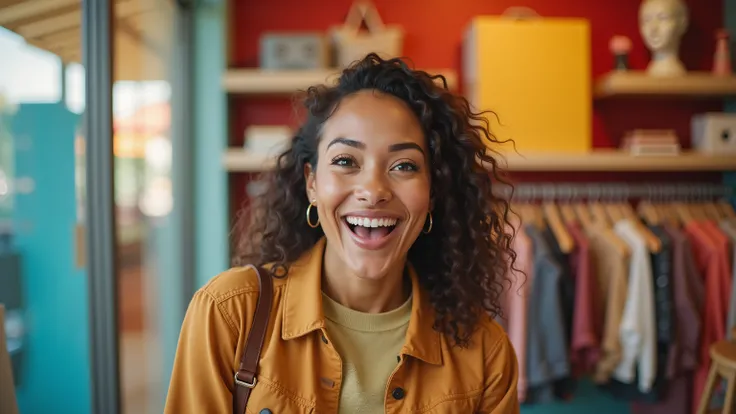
x: 309, y: 178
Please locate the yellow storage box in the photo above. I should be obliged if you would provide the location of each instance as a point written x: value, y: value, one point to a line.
x: 534, y: 73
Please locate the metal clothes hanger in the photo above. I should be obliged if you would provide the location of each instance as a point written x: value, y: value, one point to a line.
x: 647, y: 210
x: 566, y: 210
x: 654, y: 244
x: 554, y: 221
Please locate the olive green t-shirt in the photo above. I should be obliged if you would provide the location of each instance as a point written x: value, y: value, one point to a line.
x: 369, y: 345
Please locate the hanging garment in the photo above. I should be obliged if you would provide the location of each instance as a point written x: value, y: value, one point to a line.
x: 682, y: 354
x: 515, y: 303
x: 637, y: 330
x: 663, y: 296
x: 564, y: 388
x: 688, y: 295
x: 546, y: 346
x: 611, y: 267
x: 585, y: 341
x: 724, y: 247
x: 729, y: 229
x: 661, y: 264
x: 715, y: 309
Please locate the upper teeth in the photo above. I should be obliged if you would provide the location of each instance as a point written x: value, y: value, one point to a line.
x: 371, y: 222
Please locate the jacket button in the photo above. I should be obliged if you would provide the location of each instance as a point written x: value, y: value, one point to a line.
x: 398, y: 393
x: 265, y: 411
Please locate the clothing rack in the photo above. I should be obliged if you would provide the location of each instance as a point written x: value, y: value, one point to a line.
x: 617, y: 191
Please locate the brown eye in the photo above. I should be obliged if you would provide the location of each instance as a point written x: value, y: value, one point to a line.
x: 343, y: 161
x: 405, y: 167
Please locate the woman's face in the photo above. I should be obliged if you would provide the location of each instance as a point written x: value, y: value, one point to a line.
x: 372, y: 183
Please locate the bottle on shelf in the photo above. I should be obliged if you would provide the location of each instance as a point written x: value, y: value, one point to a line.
x: 722, y: 57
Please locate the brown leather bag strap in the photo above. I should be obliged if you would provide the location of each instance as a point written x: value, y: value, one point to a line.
x: 245, y: 378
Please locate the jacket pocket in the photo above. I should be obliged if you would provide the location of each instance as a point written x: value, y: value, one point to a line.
x: 453, y: 407
x: 452, y: 404
x: 268, y: 397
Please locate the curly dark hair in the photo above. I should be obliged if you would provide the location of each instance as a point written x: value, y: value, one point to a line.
x: 462, y: 263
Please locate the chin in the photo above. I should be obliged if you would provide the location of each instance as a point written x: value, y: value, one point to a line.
x: 373, y: 247
x: 651, y: 42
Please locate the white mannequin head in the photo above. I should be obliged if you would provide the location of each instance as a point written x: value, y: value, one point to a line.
x: 662, y: 24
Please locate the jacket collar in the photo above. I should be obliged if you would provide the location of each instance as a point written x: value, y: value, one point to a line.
x: 303, y: 312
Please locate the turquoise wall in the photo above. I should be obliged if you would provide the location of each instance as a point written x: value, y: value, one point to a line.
x: 210, y: 140
x: 56, y: 368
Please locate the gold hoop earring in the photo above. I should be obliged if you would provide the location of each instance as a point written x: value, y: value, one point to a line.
x: 430, y: 224
x: 309, y: 219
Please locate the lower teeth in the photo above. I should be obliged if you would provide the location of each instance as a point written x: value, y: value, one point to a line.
x: 353, y: 227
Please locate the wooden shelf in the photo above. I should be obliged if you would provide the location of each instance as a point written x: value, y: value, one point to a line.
x: 284, y: 82
x: 613, y: 160
x: 238, y: 160
x: 639, y: 84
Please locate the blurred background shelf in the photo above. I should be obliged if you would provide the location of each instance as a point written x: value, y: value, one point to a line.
x: 639, y: 84
x: 283, y: 82
x: 239, y: 160
x: 613, y: 160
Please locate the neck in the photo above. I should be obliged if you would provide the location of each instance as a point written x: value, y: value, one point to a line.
x: 669, y: 53
x: 362, y: 294
x: 665, y: 63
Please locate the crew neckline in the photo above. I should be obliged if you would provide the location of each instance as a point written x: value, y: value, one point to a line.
x: 366, y: 322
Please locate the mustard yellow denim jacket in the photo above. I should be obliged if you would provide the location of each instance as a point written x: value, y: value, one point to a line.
x: 300, y: 371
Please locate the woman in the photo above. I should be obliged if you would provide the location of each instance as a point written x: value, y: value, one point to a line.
x: 388, y: 251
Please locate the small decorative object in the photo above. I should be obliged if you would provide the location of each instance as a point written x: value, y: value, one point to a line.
x: 662, y: 24
x: 266, y: 139
x: 351, y: 44
x: 722, y: 57
x: 714, y: 133
x: 650, y: 142
x: 302, y: 51
x: 620, y: 46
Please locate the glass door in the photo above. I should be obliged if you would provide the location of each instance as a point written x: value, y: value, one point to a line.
x: 150, y: 142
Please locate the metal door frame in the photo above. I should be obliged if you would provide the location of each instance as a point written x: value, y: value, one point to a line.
x: 98, y: 54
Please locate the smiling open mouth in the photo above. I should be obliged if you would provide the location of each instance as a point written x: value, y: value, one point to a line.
x: 371, y: 228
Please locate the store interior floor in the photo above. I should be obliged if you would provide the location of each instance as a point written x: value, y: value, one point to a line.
x: 142, y: 381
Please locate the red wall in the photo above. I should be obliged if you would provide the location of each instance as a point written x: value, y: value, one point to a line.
x: 434, y: 29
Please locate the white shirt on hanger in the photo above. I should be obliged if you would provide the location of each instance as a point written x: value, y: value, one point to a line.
x: 638, y: 330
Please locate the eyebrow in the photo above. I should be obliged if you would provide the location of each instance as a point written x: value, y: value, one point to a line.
x: 345, y: 141
x: 359, y: 145
x: 405, y: 146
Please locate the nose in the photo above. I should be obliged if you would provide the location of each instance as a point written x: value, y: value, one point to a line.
x: 374, y: 188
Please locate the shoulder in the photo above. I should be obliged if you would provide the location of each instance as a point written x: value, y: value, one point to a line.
x: 229, y: 299
x: 496, y: 345
x: 234, y: 282
x: 500, y: 369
